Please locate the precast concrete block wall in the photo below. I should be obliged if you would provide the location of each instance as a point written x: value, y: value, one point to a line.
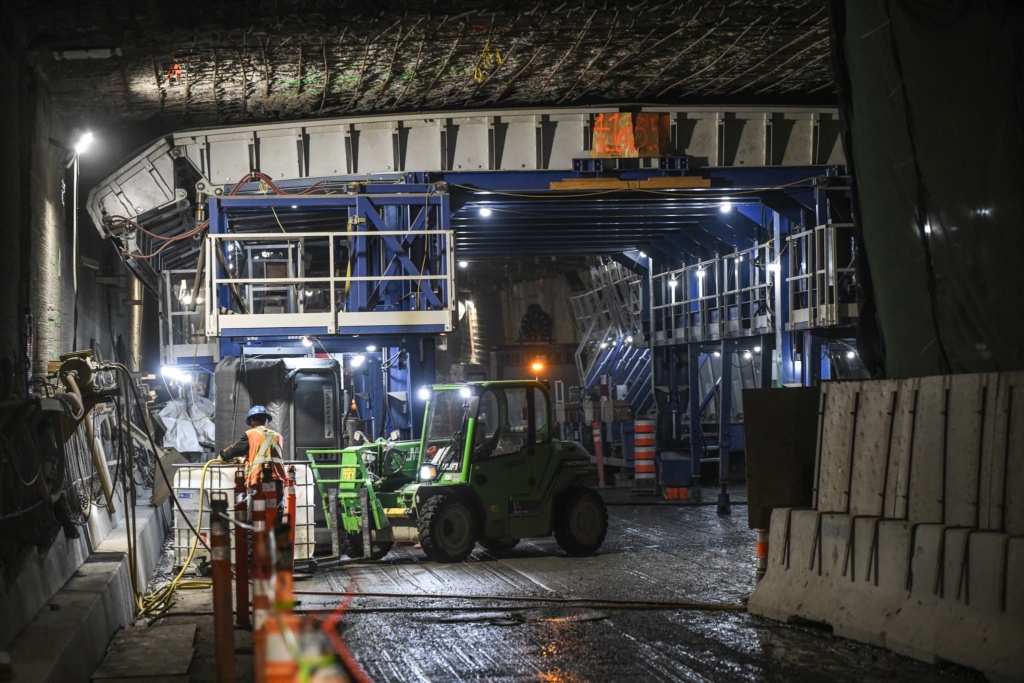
x: 915, y: 541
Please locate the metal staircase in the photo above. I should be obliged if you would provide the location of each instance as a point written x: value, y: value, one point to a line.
x: 609, y: 316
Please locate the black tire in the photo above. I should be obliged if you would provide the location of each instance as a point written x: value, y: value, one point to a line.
x: 352, y: 545
x: 499, y: 545
x: 447, y: 529
x: 581, y: 521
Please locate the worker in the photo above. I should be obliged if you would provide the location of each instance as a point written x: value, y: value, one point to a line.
x: 261, y: 447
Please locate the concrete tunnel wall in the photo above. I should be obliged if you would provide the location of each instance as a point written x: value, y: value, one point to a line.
x: 36, y: 296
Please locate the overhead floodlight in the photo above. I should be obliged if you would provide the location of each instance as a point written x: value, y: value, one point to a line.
x: 748, y: 355
x: 484, y: 211
x: 424, y: 393
x: 725, y: 207
x: 673, y: 283
x: 371, y: 348
x: 295, y: 206
x: 465, y: 392
x: 851, y: 354
x: 757, y: 349
x: 358, y: 360
x: 84, y: 142
x: 463, y: 264
x: 174, y: 374
x: 537, y: 366
x: 717, y: 354
x: 307, y: 341
x: 700, y: 272
x: 604, y: 345
x: 643, y: 255
x: 629, y: 339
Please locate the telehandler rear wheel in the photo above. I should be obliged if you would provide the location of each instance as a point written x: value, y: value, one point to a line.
x: 581, y: 521
x: 447, y: 529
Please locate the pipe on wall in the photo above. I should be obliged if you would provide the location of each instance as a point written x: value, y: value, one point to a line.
x: 135, y: 326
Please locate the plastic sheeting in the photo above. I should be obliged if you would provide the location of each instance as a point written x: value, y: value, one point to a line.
x: 932, y: 94
x: 245, y: 382
x: 189, y: 424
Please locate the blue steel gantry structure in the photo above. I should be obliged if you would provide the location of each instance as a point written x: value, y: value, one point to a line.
x: 726, y: 263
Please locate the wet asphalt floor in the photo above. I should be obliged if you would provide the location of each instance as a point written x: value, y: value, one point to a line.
x: 653, y: 553
x: 430, y: 630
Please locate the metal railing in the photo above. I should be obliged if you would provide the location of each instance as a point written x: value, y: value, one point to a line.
x: 182, y: 331
x: 276, y: 287
x: 611, y: 309
x: 723, y: 297
x: 822, y: 277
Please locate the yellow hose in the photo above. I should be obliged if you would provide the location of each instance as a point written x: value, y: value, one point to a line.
x: 162, y: 599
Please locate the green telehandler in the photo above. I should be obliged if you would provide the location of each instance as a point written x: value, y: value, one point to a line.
x: 486, y: 470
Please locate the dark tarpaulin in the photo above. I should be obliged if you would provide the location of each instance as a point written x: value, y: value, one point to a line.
x: 270, y: 382
x: 931, y: 95
x: 243, y: 383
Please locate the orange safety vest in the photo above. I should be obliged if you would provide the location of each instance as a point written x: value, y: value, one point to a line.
x: 264, y: 447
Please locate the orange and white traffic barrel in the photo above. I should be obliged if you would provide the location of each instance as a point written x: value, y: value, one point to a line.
x: 599, y: 451
x: 643, y: 453
x: 761, y: 554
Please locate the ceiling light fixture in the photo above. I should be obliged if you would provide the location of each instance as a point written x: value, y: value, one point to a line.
x: 84, y: 142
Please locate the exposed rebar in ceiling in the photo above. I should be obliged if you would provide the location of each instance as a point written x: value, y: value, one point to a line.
x: 257, y: 60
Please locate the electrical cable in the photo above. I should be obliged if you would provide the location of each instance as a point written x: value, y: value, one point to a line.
x: 162, y: 599
x: 163, y: 472
x: 653, y: 604
x: 170, y: 241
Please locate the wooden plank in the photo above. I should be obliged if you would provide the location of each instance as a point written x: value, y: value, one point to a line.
x: 671, y: 182
x: 162, y: 653
x: 667, y: 182
x: 589, y: 184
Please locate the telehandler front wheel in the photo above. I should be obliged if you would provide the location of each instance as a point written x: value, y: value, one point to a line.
x: 581, y: 521
x: 447, y: 529
x: 352, y: 545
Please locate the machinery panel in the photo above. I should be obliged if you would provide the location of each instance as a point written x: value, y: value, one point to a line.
x: 374, y: 147
x: 328, y: 151
x: 278, y: 154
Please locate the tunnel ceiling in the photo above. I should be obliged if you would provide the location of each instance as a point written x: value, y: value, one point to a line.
x: 203, y: 63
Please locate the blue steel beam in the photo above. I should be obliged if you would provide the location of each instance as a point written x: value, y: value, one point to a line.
x: 742, y: 226
x: 693, y: 352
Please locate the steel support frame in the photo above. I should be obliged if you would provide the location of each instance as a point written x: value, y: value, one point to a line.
x: 386, y: 285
